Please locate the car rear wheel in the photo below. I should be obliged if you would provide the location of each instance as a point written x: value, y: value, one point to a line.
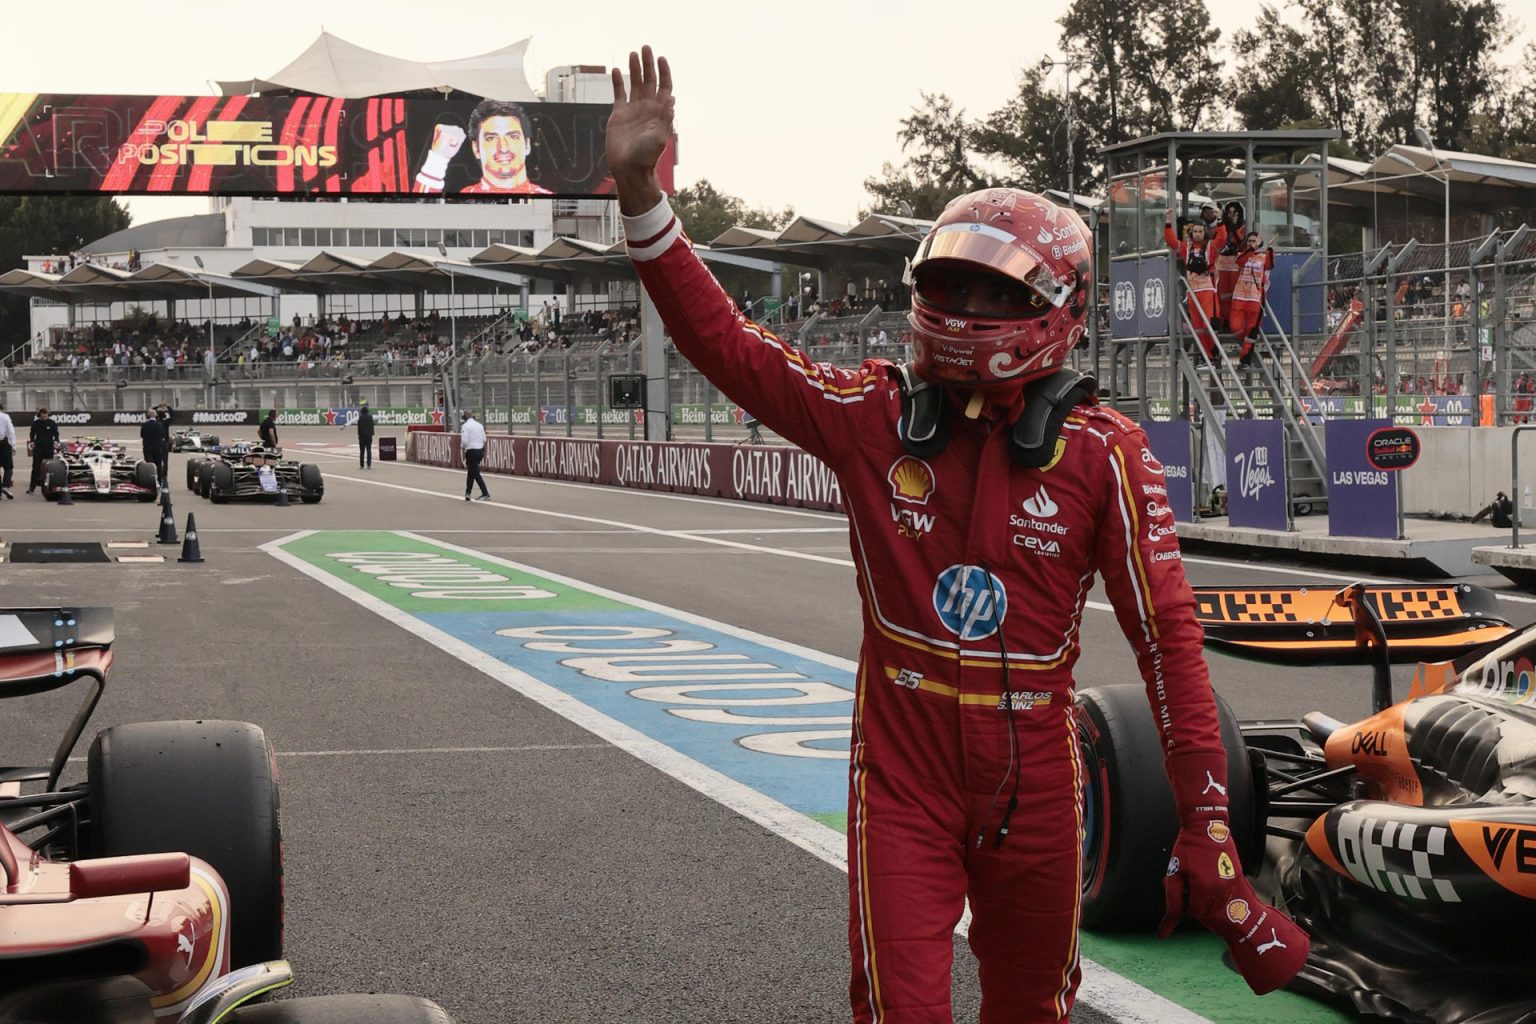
x: 312, y: 483
x: 55, y: 478
x: 204, y: 788
x: 146, y: 475
x: 1129, y: 818
x: 194, y: 466
x: 356, y: 1009
x: 221, y: 481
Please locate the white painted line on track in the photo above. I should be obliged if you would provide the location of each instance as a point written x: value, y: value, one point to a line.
x: 637, y: 528
x: 449, y: 750
x: 1101, y: 988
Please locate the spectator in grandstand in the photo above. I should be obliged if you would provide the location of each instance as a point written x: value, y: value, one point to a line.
x: 949, y: 757
x: 1228, y: 243
x: 267, y: 432
x: 501, y: 137
x: 7, y: 453
x: 1195, y: 255
x: 1524, y: 388
x: 1248, y: 289
x: 155, y: 440
x: 472, y: 444
x: 364, y: 435
x: 42, y: 442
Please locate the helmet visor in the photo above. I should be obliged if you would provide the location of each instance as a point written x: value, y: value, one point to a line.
x: 981, y: 270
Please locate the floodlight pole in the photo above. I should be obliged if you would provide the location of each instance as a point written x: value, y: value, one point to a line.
x: 1069, y: 63
x: 1445, y: 178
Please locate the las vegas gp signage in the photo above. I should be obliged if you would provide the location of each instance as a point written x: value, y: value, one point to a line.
x: 773, y: 474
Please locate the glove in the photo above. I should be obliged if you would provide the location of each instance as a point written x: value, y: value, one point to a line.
x: 1205, y: 880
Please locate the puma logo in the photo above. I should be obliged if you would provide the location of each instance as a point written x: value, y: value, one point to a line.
x: 1274, y: 941
x: 1211, y: 783
x: 184, y: 945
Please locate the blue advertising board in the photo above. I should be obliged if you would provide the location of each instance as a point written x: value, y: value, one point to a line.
x: 1362, y: 500
x: 1309, y: 293
x: 1256, y: 489
x: 1170, y: 443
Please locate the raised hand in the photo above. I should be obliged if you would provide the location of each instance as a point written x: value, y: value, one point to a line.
x: 639, y: 129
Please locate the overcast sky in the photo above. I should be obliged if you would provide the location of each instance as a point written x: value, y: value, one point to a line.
x: 784, y: 103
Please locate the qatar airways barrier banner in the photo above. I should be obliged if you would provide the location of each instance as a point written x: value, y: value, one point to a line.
x: 303, y: 145
x: 768, y: 473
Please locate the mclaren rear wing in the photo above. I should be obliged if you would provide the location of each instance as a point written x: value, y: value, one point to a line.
x: 1332, y: 626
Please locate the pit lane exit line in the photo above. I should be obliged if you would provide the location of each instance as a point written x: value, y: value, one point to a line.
x: 1101, y: 988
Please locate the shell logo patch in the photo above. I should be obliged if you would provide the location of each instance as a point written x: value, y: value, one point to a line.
x: 911, y: 480
x: 1225, y: 868
x: 1237, y: 911
x: 1218, y: 831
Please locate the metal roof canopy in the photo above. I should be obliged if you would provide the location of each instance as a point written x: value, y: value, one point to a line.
x: 1475, y: 180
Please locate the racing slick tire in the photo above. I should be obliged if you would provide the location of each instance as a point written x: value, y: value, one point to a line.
x: 312, y: 483
x: 146, y: 475
x: 205, y: 788
x: 55, y: 478
x: 1129, y: 819
x: 353, y: 1009
x: 221, y: 481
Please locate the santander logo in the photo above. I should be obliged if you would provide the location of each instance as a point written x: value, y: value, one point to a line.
x: 1040, y: 505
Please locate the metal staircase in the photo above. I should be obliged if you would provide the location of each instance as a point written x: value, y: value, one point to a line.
x: 1274, y: 385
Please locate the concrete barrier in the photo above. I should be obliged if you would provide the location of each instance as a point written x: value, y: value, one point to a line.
x: 1461, y: 469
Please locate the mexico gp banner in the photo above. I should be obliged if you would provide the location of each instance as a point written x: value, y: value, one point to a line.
x: 1170, y: 443
x: 1362, y: 500
x: 774, y: 474
x: 1256, y: 488
x: 303, y: 145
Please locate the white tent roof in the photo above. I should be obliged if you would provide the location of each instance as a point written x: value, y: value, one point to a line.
x: 334, y: 67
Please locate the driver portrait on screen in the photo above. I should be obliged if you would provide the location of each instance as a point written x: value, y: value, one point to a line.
x: 501, y: 141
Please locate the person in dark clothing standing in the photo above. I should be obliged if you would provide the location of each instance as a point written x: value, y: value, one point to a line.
x: 163, y: 464
x: 364, y: 436
x: 268, y: 430
x: 42, y: 442
x: 152, y: 434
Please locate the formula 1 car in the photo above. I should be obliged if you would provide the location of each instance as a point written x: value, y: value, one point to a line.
x: 152, y: 891
x: 79, y: 445
x: 193, y: 440
x: 101, y: 471
x: 259, y: 473
x: 1405, y: 844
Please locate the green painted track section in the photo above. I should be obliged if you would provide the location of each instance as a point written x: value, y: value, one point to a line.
x: 1185, y: 969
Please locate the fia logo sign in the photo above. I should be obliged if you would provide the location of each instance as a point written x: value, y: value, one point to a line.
x: 1154, y: 297
x: 1124, y: 301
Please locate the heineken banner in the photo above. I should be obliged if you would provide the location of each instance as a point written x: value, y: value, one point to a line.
x: 768, y: 473
x: 1256, y: 489
x: 1362, y: 500
x: 1170, y: 443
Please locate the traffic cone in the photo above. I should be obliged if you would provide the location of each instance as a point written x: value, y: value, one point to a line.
x: 64, y: 497
x: 282, y: 498
x: 167, y: 519
x: 190, y: 551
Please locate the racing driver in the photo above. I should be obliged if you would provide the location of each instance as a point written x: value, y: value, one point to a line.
x: 984, y: 489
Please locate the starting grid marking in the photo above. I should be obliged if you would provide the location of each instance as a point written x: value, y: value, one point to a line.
x: 757, y: 724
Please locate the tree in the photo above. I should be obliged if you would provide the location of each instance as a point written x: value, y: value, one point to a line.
x: 1028, y: 137
x: 707, y: 213
x: 47, y: 225
x: 941, y: 161
x: 1273, y: 82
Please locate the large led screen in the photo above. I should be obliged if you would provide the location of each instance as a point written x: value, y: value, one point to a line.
x: 302, y: 145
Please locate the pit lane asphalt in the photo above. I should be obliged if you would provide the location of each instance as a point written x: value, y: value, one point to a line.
x: 448, y: 838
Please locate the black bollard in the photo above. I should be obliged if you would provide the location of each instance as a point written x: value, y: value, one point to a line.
x: 190, y: 550
x: 282, y: 498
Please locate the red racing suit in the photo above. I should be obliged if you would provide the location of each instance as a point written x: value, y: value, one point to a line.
x: 973, y: 575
